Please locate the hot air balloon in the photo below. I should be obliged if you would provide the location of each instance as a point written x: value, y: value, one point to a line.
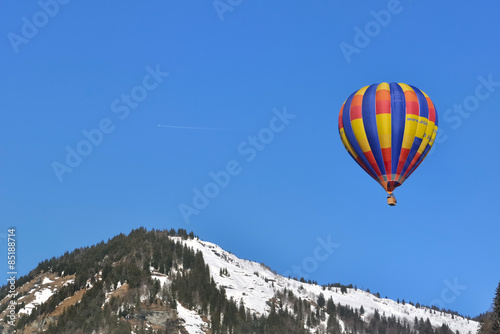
x: 388, y: 129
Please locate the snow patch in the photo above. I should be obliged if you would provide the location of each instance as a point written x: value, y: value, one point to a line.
x: 192, y: 320
x: 162, y: 278
x: 40, y: 297
x: 68, y: 282
x: 46, y: 280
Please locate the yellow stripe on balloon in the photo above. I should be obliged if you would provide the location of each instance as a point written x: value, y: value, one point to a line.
x: 423, y: 127
x: 410, y: 131
x: 383, y: 85
x: 384, y: 130
x: 346, y: 143
x: 405, y: 87
x: 359, y: 132
x: 434, y: 133
x: 427, y: 137
x: 362, y: 90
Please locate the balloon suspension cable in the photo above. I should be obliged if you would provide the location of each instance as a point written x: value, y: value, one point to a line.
x: 391, y: 199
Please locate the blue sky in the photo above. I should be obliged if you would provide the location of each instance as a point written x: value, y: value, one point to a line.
x: 275, y: 71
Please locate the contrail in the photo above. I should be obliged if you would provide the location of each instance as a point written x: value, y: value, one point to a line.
x: 198, y: 128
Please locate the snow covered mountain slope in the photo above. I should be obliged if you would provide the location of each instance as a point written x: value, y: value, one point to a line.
x: 196, y: 287
x: 255, y: 285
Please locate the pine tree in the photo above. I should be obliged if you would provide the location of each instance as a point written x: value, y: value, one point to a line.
x: 330, y: 306
x: 491, y: 322
x: 333, y: 326
x: 321, y: 300
x: 496, y: 311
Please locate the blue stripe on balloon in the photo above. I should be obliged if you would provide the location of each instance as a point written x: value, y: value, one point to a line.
x: 398, y: 118
x: 370, y: 124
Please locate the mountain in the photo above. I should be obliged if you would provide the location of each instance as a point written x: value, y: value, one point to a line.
x: 173, y: 282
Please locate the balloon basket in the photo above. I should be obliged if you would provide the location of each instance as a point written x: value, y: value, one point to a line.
x: 391, y: 200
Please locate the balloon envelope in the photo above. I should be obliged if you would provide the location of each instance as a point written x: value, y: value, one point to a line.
x: 388, y: 129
